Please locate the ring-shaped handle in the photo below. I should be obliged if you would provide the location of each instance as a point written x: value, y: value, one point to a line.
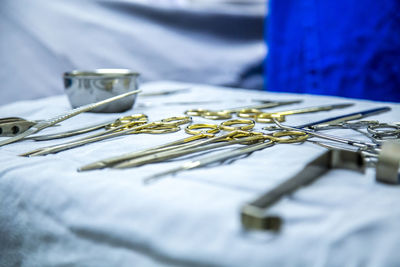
x: 134, y: 117
x: 217, y: 115
x: 195, y: 112
x: 179, y: 120
x: 194, y: 129
x: 161, y: 130
x: 249, y: 113
x: 236, y: 134
x: 269, y: 117
x: 292, y: 137
x: 156, y: 127
x: 391, y: 130
x: 253, y: 137
x: 227, y: 125
x: 133, y: 124
x: 130, y: 121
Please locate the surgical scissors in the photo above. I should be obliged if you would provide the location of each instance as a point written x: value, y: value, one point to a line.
x: 276, y: 137
x: 198, y: 131
x: 227, y: 113
x: 167, y: 125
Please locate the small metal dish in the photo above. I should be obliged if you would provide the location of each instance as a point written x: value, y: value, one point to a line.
x: 85, y: 87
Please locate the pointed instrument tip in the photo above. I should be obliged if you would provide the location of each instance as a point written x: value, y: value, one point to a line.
x: 92, y: 166
x: 30, y: 153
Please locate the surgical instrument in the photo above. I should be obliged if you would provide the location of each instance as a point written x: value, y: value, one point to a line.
x: 361, y: 146
x: 264, y: 117
x: 237, y: 135
x: 243, y: 112
x: 346, y: 117
x: 52, y: 121
x: 376, y: 131
x: 198, y: 131
x: 107, y: 125
x: 167, y: 125
x: 255, y: 215
x: 69, y: 133
x: 227, y: 113
x: 277, y: 137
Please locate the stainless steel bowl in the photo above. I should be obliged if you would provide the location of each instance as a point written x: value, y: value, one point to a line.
x: 85, y: 87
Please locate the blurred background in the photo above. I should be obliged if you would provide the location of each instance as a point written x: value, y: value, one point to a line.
x: 337, y: 48
x: 216, y: 42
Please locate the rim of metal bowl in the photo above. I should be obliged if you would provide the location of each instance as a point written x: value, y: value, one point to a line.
x: 100, y: 73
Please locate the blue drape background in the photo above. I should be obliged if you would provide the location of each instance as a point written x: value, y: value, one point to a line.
x: 348, y: 48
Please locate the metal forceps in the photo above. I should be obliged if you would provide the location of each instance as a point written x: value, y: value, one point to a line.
x: 265, y: 140
x: 370, y: 150
x: 227, y: 113
x: 376, y: 131
x: 53, y: 121
x: 264, y: 117
x: 198, y: 131
x: 235, y: 135
x: 167, y: 125
x: 106, y: 125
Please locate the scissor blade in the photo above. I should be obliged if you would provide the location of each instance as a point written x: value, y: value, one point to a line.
x: 347, y: 117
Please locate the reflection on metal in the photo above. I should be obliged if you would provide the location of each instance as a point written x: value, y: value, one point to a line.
x: 12, y: 126
x: 85, y: 87
x: 387, y: 168
x: 255, y: 215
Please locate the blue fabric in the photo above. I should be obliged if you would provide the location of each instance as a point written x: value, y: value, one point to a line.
x: 348, y: 48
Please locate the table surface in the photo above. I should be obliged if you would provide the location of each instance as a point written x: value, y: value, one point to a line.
x: 52, y: 215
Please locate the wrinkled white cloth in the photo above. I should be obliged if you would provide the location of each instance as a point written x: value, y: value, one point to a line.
x: 52, y: 215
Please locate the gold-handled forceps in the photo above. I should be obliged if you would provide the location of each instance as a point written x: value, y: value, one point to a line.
x: 236, y: 134
x: 264, y: 141
x: 167, y: 125
x: 227, y: 113
x: 53, y: 121
x: 264, y: 117
x: 197, y: 132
